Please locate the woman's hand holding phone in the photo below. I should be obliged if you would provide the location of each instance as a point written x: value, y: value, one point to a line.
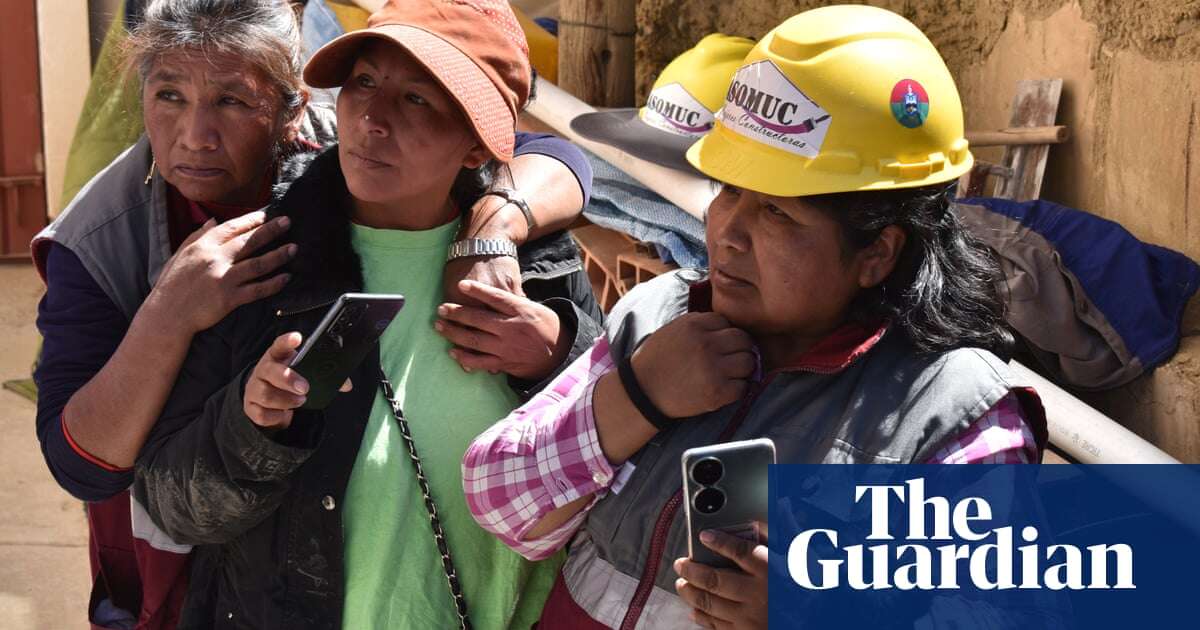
x: 274, y: 390
x: 726, y: 598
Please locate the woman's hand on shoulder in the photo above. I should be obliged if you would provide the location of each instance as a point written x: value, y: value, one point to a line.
x: 697, y: 363
x: 502, y: 332
x: 215, y: 270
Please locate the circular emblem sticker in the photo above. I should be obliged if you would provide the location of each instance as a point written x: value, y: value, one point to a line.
x: 910, y: 103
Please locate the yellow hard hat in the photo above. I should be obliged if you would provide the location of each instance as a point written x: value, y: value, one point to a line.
x: 691, y: 89
x: 838, y: 99
x: 680, y: 108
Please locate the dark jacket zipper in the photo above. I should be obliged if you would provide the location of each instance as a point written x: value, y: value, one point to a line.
x: 662, y: 526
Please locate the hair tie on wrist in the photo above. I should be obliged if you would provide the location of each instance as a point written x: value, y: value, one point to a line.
x: 639, y: 397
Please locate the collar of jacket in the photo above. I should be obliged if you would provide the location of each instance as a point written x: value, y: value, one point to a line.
x: 325, y: 265
x: 832, y: 354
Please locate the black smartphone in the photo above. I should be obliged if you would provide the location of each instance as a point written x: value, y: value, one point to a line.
x: 340, y: 342
x: 725, y: 488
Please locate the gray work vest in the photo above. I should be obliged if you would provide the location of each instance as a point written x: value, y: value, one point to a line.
x: 890, y: 405
x: 117, y: 224
x: 117, y: 227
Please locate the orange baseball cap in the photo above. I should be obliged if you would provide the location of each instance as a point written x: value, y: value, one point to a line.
x: 475, y: 49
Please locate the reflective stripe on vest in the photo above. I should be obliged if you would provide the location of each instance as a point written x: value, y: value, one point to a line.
x: 603, y: 593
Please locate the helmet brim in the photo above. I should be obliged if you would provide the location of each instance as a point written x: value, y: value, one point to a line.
x: 625, y: 130
x: 732, y: 158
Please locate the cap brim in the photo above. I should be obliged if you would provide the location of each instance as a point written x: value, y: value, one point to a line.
x: 478, y: 98
x: 625, y: 130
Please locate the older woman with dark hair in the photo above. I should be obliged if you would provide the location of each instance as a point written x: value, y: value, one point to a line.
x: 846, y: 315
x: 167, y: 241
x: 353, y: 515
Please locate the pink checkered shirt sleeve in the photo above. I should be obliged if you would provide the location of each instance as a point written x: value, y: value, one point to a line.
x: 999, y: 436
x: 543, y: 456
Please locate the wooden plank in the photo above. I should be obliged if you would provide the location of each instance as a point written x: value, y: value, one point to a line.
x: 1034, y: 105
x: 595, y: 50
x: 1012, y: 136
x: 618, y: 76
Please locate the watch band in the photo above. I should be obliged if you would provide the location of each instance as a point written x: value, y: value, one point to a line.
x: 481, y: 247
x: 512, y: 196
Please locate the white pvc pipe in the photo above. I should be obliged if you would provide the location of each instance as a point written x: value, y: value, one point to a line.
x: 1090, y: 437
x: 1085, y: 434
x: 555, y: 107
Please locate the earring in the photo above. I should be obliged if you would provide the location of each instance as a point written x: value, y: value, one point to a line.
x: 150, y: 175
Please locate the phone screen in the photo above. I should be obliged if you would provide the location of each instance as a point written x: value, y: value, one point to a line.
x: 341, y: 341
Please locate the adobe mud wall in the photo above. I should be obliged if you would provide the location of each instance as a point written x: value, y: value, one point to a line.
x: 1131, y: 92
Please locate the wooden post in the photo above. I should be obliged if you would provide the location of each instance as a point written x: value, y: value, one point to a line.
x: 1035, y: 105
x: 595, y: 50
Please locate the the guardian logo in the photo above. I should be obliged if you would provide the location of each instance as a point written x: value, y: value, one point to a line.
x: 987, y: 559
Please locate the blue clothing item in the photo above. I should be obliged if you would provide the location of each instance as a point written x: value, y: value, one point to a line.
x: 547, y: 23
x: 1141, y: 289
x: 82, y: 328
x: 563, y: 151
x: 318, y: 27
x: 109, y: 615
x: 620, y: 203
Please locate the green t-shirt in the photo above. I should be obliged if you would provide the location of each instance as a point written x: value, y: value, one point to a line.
x: 394, y: 576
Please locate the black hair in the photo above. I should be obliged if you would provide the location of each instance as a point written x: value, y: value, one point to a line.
x: 945, y: 290
x: 471, y: 183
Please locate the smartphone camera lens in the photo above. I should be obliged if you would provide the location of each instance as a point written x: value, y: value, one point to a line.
x: 709, y: 501
x: 708, y: 471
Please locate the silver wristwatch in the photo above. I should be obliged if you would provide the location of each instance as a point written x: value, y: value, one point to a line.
x: 481, y: 247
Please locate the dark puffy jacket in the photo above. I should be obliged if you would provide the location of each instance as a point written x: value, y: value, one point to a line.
x: 269, y: 548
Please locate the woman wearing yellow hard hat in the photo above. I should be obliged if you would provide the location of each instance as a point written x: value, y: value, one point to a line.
x: 846, y: 315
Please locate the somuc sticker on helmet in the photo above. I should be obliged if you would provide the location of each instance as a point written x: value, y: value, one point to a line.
x: 910, y: 103
x: 672, y: 108
x: 763, y: 105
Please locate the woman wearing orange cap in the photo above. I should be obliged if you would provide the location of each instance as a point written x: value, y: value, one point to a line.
x: 846, y: 315
x: 315, y: 519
